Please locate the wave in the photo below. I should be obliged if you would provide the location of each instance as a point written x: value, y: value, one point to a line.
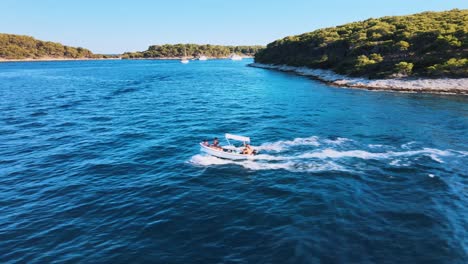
x: 296, y: 155
x: 282, y: 145
x: 259, y: 164
x: 435, y: 154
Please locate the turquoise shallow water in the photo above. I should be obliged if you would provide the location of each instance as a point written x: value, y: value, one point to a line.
x: 99, y: 162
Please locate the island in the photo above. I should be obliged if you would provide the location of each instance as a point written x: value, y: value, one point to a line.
x: 425, y: 52
x: 176, y: 51
x: 26, y: 48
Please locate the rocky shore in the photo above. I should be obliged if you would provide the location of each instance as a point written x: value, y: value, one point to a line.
x: 411, y: 85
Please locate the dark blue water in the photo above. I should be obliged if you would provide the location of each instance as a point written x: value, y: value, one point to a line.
x: 99, y: 162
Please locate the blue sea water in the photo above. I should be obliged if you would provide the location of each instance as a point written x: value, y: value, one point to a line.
x: 99, y: 163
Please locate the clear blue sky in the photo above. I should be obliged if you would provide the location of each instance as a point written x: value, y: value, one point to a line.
x: 115, y: 26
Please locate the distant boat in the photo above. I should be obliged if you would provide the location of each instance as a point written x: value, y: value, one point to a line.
x: 202, y: 58
x: 184, y: 59
x: 236, y: 57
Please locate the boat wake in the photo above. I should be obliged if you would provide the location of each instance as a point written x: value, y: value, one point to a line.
x: 314, y: 154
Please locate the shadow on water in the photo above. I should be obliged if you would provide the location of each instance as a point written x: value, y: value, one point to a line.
x: 124, y: 91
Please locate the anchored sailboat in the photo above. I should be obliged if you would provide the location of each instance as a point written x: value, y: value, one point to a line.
x: 184, y: 59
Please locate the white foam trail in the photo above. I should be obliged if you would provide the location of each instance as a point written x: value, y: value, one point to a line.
x: 206, y: 160
x: 323, y: 159
x: 461, y: 152
x: 334, y: 154
x: 436, y: 158
x: 253, y: 165
x: 285, y: 144
x: 270, y: 157
x: 408, y: 145
x: 318, y: 166
x: 400, y: 163
x: 337, y: 141
x: 362, y: 154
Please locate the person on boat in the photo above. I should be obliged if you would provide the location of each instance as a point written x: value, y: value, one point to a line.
x: 216, y: 144
x: 205, y: 143
x: 248, y: 150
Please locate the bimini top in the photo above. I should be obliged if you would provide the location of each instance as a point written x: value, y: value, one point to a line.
x: 236, y: 137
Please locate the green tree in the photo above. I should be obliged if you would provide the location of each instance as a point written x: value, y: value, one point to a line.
x: 194, y: 50
x: 404, y: 68
x: 448, y: 40
x: 376, y: 57
x: 22, y: 47
x: 402, y: 45
x: 424, y: 40
x: 363, y: 61
x: 453, y: 66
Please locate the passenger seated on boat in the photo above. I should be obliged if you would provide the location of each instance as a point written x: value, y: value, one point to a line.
x: 205, y: 143
x: 216, y: 144
x: 248, y: 150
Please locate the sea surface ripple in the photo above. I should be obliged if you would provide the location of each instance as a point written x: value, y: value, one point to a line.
x: 99, y: 162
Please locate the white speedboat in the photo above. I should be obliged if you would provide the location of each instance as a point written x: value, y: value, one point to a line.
x: 229, y: 151
x: 236, y: 57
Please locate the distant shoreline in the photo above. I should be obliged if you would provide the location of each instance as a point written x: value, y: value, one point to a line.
x: 55, y: 59
x: 189, y: 58
x: 408, y: 85
x: 119, y: 58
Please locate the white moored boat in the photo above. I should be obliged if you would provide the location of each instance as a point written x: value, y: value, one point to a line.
x: 230, y: 151
x: 236, y: 57
x: 184, y: 59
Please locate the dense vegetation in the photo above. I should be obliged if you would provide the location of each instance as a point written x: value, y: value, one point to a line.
x: 192, y: 50
x: 425, y: 44
x: 25, y: 47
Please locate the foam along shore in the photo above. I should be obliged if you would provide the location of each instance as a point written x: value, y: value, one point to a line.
x: 415, y: 85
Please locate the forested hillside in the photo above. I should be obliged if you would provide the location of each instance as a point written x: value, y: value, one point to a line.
x: 25, y: 47
x: 192, y: 50
x: 425, y: 44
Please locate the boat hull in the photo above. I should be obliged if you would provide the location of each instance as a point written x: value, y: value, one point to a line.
x: 224, y: 154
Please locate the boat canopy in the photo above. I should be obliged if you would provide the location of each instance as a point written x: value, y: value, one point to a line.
x: 238, y: 138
